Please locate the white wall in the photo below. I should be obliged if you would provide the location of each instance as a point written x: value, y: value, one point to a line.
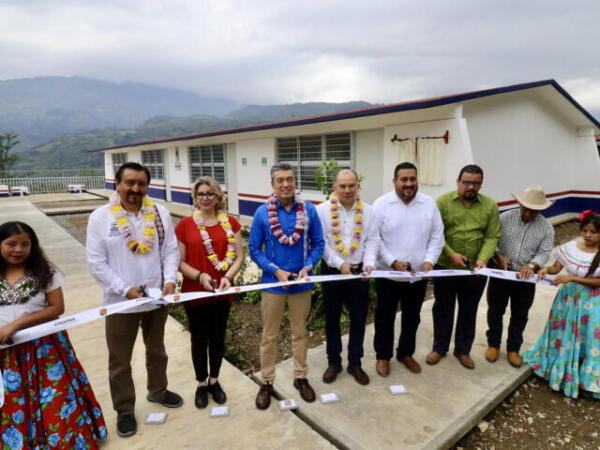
x: 231, y: 171
x: 518, y: 140
x: 254, y: 178
x: 368, y: 159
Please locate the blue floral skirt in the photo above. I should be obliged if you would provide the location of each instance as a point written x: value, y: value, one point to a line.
x: 48, y: 401
x: 567, y: 354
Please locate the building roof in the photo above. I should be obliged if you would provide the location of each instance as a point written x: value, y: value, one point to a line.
x: 373, y: 110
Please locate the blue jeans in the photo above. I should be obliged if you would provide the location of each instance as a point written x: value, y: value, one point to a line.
x: 356, y: 293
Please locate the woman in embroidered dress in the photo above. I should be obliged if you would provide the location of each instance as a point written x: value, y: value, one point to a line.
x: 211, y: 256
x: 48, y: 401
x: 568, y: 352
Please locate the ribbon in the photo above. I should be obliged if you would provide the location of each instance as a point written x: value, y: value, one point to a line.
x: 63, y: 323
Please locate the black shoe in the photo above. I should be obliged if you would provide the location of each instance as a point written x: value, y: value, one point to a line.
x: 217, y: 393
x: 126, y: 425
x: 170, y: 400
x: 201, y: 399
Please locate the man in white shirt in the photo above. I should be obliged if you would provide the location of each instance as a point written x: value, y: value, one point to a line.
x: 412, y: 238
x: 351, y: 245
x: 131, y: 246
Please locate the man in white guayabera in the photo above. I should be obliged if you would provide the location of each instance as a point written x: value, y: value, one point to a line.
x: 351, y: 246
x: 412, y: 238
x: 131, y: 247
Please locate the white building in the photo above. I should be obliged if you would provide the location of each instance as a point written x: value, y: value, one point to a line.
x: 532, y: 133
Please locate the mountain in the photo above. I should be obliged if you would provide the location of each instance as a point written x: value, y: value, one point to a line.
x: 70, y: 151
x: 42, y: 109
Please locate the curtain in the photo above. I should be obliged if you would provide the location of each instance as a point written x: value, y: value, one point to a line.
x: 405, y: 151
x: 431, y: 160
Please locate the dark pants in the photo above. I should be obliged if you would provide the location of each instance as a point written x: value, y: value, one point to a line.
x: 208, y: 323
x: 356, y: 294
x: 411, y: 296
x: 521, y: 298
x: 467, y: 290
x: 121, y: 332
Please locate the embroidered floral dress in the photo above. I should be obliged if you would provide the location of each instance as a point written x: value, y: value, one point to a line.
x: 567, y: 354
x: 48, y: 401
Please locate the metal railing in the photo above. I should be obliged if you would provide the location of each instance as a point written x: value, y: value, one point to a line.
x: 44, y: 185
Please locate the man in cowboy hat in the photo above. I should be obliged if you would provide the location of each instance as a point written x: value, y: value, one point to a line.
x: 525, y: 244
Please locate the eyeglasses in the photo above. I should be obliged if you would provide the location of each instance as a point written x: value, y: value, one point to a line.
x: 471, y: 183
x: 206, y: 194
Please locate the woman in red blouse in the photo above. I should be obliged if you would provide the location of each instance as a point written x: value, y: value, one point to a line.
x: 211, y: 256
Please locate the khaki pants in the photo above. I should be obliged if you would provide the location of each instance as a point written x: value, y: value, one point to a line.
x: 121, y: 332
x: 272, y: 307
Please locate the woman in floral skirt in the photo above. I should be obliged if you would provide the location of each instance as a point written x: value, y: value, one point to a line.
x: 48, y: 401
x: 568, y: 352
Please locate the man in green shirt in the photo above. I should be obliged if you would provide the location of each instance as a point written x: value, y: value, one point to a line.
x: 472, y: 230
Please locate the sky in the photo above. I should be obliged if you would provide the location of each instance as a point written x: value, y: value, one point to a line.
x: 279, y: 51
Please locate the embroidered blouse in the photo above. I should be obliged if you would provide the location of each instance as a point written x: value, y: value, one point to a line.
x: 24, y: 297
x: 575, y: 261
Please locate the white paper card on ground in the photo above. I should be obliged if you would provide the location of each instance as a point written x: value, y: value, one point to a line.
x: 397, y: 389
x: 330, y: 397
x: 287, y: 404
x: 219, y: 411
x: 156, y: 418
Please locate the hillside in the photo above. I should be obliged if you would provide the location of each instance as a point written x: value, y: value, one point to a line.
x: 42, y: 109
x: 71, y: 150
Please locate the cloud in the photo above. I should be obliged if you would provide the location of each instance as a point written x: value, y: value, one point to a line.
x: 278, y: 51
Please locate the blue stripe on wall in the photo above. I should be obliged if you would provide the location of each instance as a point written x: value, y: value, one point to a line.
x: 157, y: 193
x: 181, y: 197
x: 109, y: 185
x: 569, y: 205
x: 248, y: 207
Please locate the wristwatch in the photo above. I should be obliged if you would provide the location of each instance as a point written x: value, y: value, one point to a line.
x: 198, y: 276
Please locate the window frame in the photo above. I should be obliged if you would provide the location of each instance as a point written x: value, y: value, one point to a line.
x: 212, y: 164
x: 297, y: 163
x: 117, y: 165
x: 153, y: 166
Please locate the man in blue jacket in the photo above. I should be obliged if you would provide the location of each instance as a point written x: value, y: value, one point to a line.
x: 290, y: 230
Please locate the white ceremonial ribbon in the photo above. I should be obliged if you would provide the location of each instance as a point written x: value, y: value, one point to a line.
x: 155, y: 297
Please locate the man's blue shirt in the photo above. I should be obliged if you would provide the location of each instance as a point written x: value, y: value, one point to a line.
x: 305, y: 253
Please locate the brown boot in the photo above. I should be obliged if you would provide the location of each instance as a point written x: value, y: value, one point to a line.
x: 306, y: 391
x: 434, y: 358
x: 263, y: 398
x: 331, y: 374
x: 492, y: 353
x: 410, y: 364
x: 465, y: 360
x: 383, y: 367
x: 515, y: 359
x: 359, y: 375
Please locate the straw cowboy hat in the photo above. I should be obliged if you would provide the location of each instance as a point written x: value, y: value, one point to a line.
x: 533, y: 198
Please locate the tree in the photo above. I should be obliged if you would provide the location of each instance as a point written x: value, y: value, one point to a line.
x: 7, y: 142
x: 325, y: 176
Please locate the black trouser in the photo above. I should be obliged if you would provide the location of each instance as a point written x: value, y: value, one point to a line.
x: 411, y: 296
x: 521, y: 298
x: 467, y: 290
x: 356, y: 294
x: 208, y: 323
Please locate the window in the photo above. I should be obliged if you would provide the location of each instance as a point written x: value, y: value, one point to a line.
x: 118, y: 159
x: 305, y: 154
x: 153, y: 160
x: 208, y: 160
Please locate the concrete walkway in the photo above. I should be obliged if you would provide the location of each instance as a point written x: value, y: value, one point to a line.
x: 443, y: 402
x: 186, y: 427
